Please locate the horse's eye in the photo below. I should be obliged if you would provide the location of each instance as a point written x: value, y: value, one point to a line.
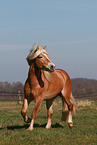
x: 39, y: 57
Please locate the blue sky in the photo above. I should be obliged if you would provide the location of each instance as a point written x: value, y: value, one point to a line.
x: 68, y: 28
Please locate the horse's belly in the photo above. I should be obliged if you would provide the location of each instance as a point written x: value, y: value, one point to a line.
x: 54, y: 89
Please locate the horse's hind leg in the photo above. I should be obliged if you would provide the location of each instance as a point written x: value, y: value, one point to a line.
x: 69, y: 105
x: 49, y: 112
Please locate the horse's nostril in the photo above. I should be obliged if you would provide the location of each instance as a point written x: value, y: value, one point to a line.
x: 52, y: 67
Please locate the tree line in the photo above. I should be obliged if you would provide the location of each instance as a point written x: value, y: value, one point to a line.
x: 81, y: 88
x: 11, y: 87
x: 84, y: 88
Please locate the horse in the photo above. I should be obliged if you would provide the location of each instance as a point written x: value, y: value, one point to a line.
x: 44, y: 82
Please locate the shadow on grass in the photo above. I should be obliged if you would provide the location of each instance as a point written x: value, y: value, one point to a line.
x: 57, y: 125
x: 2, y: 128
x: 17, y: 127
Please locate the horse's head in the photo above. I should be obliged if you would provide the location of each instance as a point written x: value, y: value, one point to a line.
x: 41, y: 58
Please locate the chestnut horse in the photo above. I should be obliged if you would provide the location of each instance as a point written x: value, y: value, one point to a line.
x: 44, y: 82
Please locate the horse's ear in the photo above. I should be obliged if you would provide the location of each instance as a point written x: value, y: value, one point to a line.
x: 37, y: 47
x: 44, y: 48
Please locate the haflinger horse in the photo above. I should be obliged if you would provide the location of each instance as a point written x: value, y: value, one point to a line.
x: 44, y: 82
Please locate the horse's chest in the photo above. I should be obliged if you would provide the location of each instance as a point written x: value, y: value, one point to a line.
x: 37, y: 90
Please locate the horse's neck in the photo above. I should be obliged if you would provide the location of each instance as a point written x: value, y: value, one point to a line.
x: 39, y: 73
x: 48, y: 76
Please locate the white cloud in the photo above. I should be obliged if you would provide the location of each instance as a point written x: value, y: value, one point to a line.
x: 18, y: 47
x: 72, y: 42
x: 14, y: 47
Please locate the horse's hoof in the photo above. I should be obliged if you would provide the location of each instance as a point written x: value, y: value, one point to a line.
x: 70, y: 125
x: 48, y: 127
x: 29, y: 129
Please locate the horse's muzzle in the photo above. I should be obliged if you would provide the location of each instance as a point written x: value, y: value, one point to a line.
x: 51, y: 67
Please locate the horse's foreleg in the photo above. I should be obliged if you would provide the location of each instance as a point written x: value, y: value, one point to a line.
x: 34, y: 114
x: 23, y: 111
x: 50, y: 112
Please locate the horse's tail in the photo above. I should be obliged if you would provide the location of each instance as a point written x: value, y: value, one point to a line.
x: 65, y: 111
x: 74, y: 104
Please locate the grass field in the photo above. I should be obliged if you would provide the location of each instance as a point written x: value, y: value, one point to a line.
x: 13, y: 130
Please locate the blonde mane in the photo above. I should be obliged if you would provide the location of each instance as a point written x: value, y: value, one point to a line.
x: 34, y: 52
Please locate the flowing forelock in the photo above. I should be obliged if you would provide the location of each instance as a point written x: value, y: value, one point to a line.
x: 46, y: 55
x: 35, y: 51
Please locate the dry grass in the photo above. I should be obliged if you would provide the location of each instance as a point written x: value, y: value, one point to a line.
x: 84, y: 103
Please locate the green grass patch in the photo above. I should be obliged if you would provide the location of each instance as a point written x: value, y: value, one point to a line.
x: 13, y: 130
